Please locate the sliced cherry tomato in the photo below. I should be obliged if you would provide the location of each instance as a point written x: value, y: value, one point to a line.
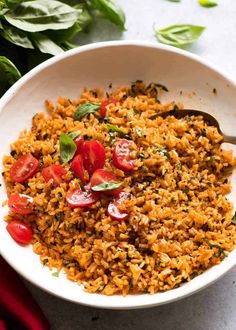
x: 21, y: 204
x: 113, y: 207
x: 24, y: 168
x: 78, y: 168
x: 93, y: 154
x: 54, y: 172
x: 101, y: 176
x: 103, y: 107
x: 79, y: 144
x: 20, y: 231
x: 121, y: 155
x: 80, y: 198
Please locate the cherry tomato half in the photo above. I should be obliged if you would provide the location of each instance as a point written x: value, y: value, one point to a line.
x: 21, y: 204
x: 78, y: 168
x: 103, y: 107
x: 93, y: 154
x: 20, y: 231
x: 80, y: 198
x: 121, y: 155
x: 113, y: 207
x: 101, y: 176
x: 24, y: 168
x: 79, y: 141
x: 54, y: 172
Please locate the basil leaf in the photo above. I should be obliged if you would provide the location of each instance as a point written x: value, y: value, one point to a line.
x: 114, y: 129
x: 60, y: 36
x: 41, y: 15
x: 73, y: 135
x: 16, y: 36
x: 45, y: 44
x: 179, y: 35
x: 67, y: 148
x: 207, y: 3
x: 110, y: 10
x: 8, y: 69
x: 107, y: 186
x: 86, y: 108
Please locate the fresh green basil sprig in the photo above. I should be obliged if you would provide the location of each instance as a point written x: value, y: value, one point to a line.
x: 85, y: 109
x: 33, y: 30
x: 179, y: 35
x: 106, y: 186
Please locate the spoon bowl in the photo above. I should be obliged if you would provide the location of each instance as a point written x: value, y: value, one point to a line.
x: 209, y: 119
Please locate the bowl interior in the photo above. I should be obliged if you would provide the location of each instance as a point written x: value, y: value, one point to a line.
x: 190, y: 81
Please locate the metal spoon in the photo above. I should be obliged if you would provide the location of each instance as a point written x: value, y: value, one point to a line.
x: 206, y: 117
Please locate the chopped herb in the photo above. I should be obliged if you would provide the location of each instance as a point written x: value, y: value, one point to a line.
x: 86, y: 108
x: 73, y: 135
x: 45, y: 261
x: 59, y: 216
x: 234, y: 219
x: 0, y: 184
x: 164, y: 152
x: 185, y: 191
x: 186, y: 210
x: 221, y: 252
x: 26, y: 184
x: 114, y: 129
x: 204, y: 132
x: 188, y: 118
x: 101, y: 287
x: 13, y: 153
x: 136, y: 111
x: 107, y: 186
x: 178, y: 166
x: 141, y: 155
x: 66, y: 263
x: 56, y: 274
x: 164, y: 88
x: 67, y: 148
x: 59, y: 195
x: 110, y: 85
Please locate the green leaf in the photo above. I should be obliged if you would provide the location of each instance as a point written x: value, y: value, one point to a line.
x: 207, y: 3
x: 61, y: 36
x: 56, y: 274
x: 107, y: 186
x: 16, y: 36
x: 164, y: 152
x: 41, y: 15
x: 179, y: 35
x: 45, y: 44
x: 8, y: 70
x: 86, y: 108
x: 67, y: 148
x: 73, y: 135
x: 110, y: 10
x: 174, y: 0
x: 114, y: 129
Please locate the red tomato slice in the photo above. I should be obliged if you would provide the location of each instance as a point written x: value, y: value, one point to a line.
x: 21, y: 204
x: 20, y: 231
x: 93, y: 154
x: 113, y: 207
x: 79, y: 198
x: 103, y: 107
x: 78, y: 168
x: 24, y: 168
x: 104, y: 176
x: 121, y: 155
x: 79, y: 144
x: 54, y: 172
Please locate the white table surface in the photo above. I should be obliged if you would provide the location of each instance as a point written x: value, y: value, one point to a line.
x: 215, y: 307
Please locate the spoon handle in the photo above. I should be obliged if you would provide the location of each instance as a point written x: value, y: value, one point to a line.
x: 230, y: 139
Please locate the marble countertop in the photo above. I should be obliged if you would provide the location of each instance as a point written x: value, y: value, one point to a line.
x: 214, y: 307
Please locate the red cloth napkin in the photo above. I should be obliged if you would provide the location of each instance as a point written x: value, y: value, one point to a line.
x: 18, y: 310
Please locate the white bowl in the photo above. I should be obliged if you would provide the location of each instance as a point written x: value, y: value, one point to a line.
x: 190, y: 80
